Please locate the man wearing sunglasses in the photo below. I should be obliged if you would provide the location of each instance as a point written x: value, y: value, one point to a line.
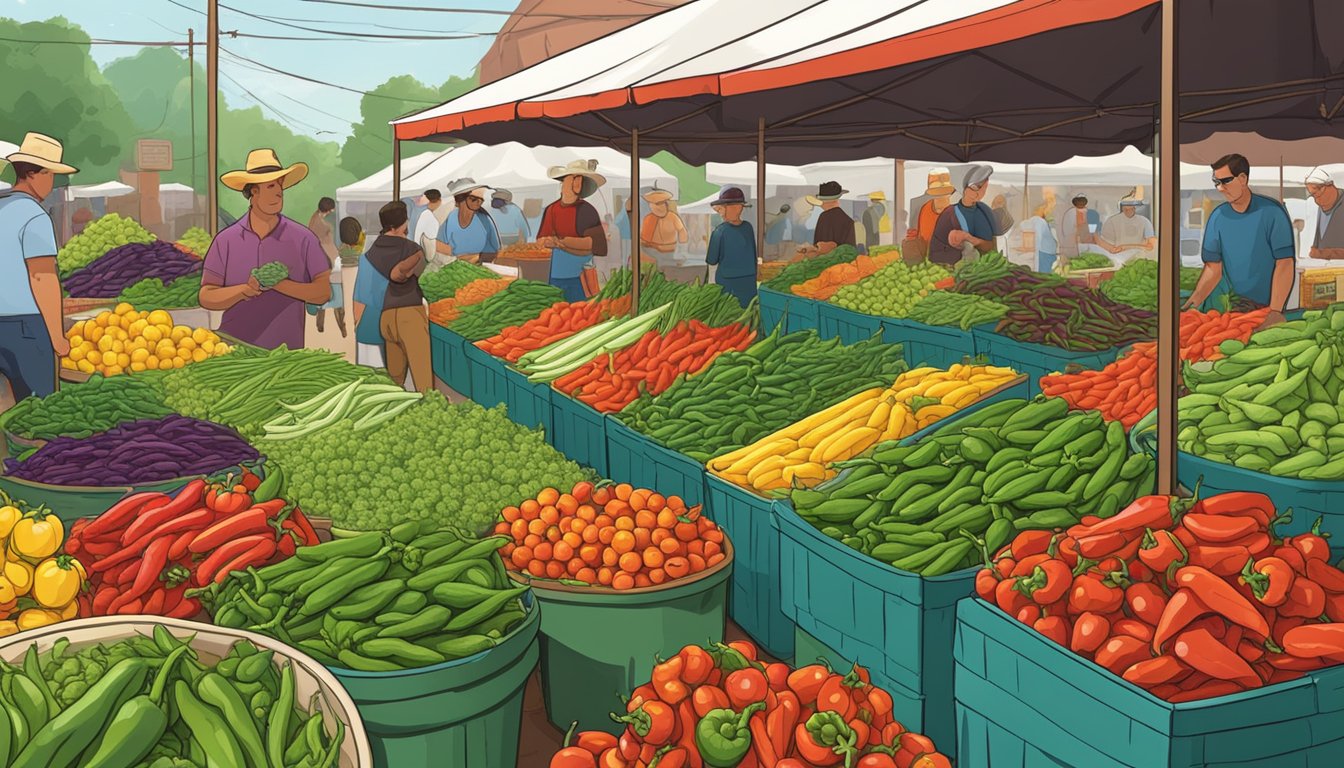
x: 468, y: 233
x: 1248, y: 242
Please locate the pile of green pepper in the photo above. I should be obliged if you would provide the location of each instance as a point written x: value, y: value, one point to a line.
x: 151, y: 702
x: 82, y: 410
x: 744, y: 396
x: 379, y: 601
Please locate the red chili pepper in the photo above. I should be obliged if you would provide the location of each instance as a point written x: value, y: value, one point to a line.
x: 186, y: 499
x: 228, y: 501
x: 810, y: 751
x: 1146, y: 601
x: 154, y: 602
x: 1291, y: 556
x: 213, y: 565
x: 777, y: 674
x: 179, y: 549
x: 1004, y: 566
x: 667, y: 681
x: 257, y: 554
x: 1202, y: 651
x: 1162, y: 549
x: 119, y: 515
x: 686, y: 721
x: 1306, y: 599
x: 1133, y: 628
x: 1029, y: 615
x: 1101, y: 545
x: 1270, y: 579
x: 305, y: 527
x: 762, y: 747
x: 782, y: 720
x: 1055, y: 628
x: 1153, y: 512
x: 1311, y: 641
x: 1222, y: 598
x: 1220, y: 560
x: 253, y: 521
x: 835, y: 697
x: 102, y: 600
x: 1091, y: 593
x: 1090, y: 630
x: 807, y: 681
x: 1218, y: 529
x: 1009, y: 599
x: 1028, y: 543
x: 1256, y: 505
x: 986, y: 581
x: 708, y: 698
x: 1121, y: 652
x: 1068, y: 551
x: 1334, y: 606
x: 1156, y: 671
x: 1048, y: 583
x: 195, y: 520
x: 1329, y: 577
x: 1251, y: 652
x: 186, y: 609
x: 1182, y: 609
x: 1026, y: 565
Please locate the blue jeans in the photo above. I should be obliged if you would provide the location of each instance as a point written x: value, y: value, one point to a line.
x: 27, y: 358
x: 572, y: 287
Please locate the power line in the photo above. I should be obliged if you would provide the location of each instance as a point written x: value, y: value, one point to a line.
x: 337, y: 34
x: 315, y: 109
x: 141, y: 43
x: 323, y: 82
x: 420, y: 8
x: 290, y: 120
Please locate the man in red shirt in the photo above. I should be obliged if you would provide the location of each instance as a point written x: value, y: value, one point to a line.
x: 572, y: 229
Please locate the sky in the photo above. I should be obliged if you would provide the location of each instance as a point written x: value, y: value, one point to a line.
x: 317, y: 110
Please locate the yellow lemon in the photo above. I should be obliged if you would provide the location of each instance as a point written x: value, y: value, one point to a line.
x: 101, y: 320
x: 178, y: 362
x: 137, y: 367
x: 76, y: 340
x: 93, y: 333
x: 123, y: 359
x: 208, y: 346
x: 182, y: 353
x: 111, y: 370
x: 152, y: 333
x: 105, y: 343
x: 123, y: 308
x: 200, y: 335
x: 198, y: 355
x: 77, y: 329
x: 152, y: 363
x: 114, y: 321
x: 94, y: 357
x: 77, y: 353
x: 221, y: 348
x: 140, y: 355
x: 68, y: 364
x: 134, y: 315
x: 137, y: 328
x: 165, y: 353
x: 180, y: 332
x: 85, y: 366
x: 187, y: 343
x: 118, y: 346
x: 160, y: 317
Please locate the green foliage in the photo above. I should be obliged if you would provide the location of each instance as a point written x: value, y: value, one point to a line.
x: 369, y: 148
x: 455, y: 465
x: 58, y: 90
x: 691, y: 184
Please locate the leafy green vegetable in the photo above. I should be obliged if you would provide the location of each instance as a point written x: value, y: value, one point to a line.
x: 802, y: 271
x: 442, y: 283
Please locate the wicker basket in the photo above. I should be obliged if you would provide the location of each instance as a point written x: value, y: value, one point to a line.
x: 212, y: 643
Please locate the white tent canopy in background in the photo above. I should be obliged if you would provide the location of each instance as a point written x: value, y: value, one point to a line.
x: 106, y: 189
x: 378, y: 187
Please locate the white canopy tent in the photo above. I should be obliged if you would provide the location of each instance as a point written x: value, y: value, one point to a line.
x: 378, y: 187
x: 92, y: 191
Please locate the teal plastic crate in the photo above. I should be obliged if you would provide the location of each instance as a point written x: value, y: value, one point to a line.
x: 528, y: 404
x: 749, y: 522
x: 1309, y: 499
x: 798, y: 313
x: 847, y: 325
x: 579, y: 432
x: 448, y: 356
x: 1023, y: 701
x: 897, y: 624
x: 487, y: 376
x: 1036, y: 360
x: 636, y: 459
x: 940, y: 346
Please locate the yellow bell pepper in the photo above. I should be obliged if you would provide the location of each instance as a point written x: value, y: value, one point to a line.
x: 7, y: 591
x: 37, y: 536
x: 56, y: 582
x: 9, y: 516
x: 20, y: 574
x: 34, y: 618
x: 8, y: 627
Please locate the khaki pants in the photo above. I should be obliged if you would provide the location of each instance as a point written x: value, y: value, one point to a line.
x: 406, y: 341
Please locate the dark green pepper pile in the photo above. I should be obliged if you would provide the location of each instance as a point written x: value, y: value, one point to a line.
x: 963, y: 492
x: 379, y: 602
x: 150, y: 702
x: 744, y: 396
x: 82, y: 410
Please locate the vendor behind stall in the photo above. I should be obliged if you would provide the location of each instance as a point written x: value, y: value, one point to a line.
x: 970, y: 227
x: 468, y: 233
x: 732, y: 247
x: 1128, y: 232
x: 1328, y: 242
x: 1248, y: 241
x: 274, y: 316
x: 572, y: 229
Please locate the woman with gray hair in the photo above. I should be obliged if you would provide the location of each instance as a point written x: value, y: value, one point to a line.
x: 970, y: 228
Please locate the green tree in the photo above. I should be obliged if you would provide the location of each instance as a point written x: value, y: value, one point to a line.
x: 691, y: 184
x: 369, y: 148
x: 57, y: 89
x: 242, y: 130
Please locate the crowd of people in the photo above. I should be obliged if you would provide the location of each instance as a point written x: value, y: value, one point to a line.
x: 1248, y: 245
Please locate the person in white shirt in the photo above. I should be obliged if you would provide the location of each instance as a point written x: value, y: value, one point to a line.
x: 427, y: 226
x: 1128, y: 232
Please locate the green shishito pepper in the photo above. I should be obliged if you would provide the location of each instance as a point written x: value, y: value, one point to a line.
x: 137, y: 726
x: 724, y: 737
x: 68, y: 734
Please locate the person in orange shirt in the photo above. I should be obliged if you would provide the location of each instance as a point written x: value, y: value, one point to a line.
x: 941, y: 190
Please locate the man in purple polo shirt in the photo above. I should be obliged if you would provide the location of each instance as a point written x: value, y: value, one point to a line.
x: 274, y: 316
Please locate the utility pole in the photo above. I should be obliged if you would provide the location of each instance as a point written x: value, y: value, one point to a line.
x: 212, y: 117
x: 1168, y: 256
x: 191, y: 76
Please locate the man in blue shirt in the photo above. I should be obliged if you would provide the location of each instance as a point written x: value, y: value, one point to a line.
x: 732, y: 247
x: 1248, y: 241
x: 970, y: 227
x: 509, y: 219
x: 32, y: 332
x: 468, y: 232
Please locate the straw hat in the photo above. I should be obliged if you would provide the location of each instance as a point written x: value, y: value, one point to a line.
x: 878, y: 196
x: 940, y: 183
x: 466, y: 184
x: 657, y: 195
x: 264, y: 165
x: 585, y: 168
x: 42, y: 151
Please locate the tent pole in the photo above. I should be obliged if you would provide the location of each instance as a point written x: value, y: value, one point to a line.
x: 1280, y: 178
x: 396, y: 165
x: 1168, y: 274
x: 1026, y: 191
x: 635, y: 223
x: 760, y: 195
x: 898, y: 203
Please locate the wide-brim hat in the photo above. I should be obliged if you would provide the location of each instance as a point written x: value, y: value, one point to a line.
x: 263, y: 166
x: 461, y: 186
x: 585, y: 168
x: 940, y: 183
x: 828, y: 191
x: 42, y: 151
x: 657, y: 195
x: 731, y: 196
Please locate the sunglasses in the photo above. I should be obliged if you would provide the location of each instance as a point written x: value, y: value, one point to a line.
x: 475, y: 199
x: 1222, y: 182
x: 980, y: 186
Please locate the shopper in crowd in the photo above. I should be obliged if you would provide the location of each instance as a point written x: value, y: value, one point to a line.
x: 1329, y: 239
x: 469, y: 233
x: 404, y: 322
x: 778, y: 232
x: 1128, y: 230
x: 320, y: 224
x: 1043, y: 236
x: 732, y: 247
x: 875, y: 220
x: 427, y: 226
x: 970, y: 228
x: 273, y: 316
x: 834, y: 227
x: 509, y: 219
x: 1075, y: 229
x: 572, y: 229
x: 939, y: 192
x: 367, y: 302
x: 1248, y: 241
x: 32, y: 327
x: 663, y: 232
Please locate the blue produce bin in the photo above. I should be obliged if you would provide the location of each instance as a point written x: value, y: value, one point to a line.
x: 579, y: 431
x: 636, y: 459
x: 448, y: 357
x: 849, y: 326
x: 798, y: 313
x: 487, y: 376
x: 1036, y: 360
x: 940, y: 346
x: 528, y: 404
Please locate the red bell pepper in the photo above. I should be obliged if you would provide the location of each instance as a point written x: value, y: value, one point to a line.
x: 1270, y: 579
